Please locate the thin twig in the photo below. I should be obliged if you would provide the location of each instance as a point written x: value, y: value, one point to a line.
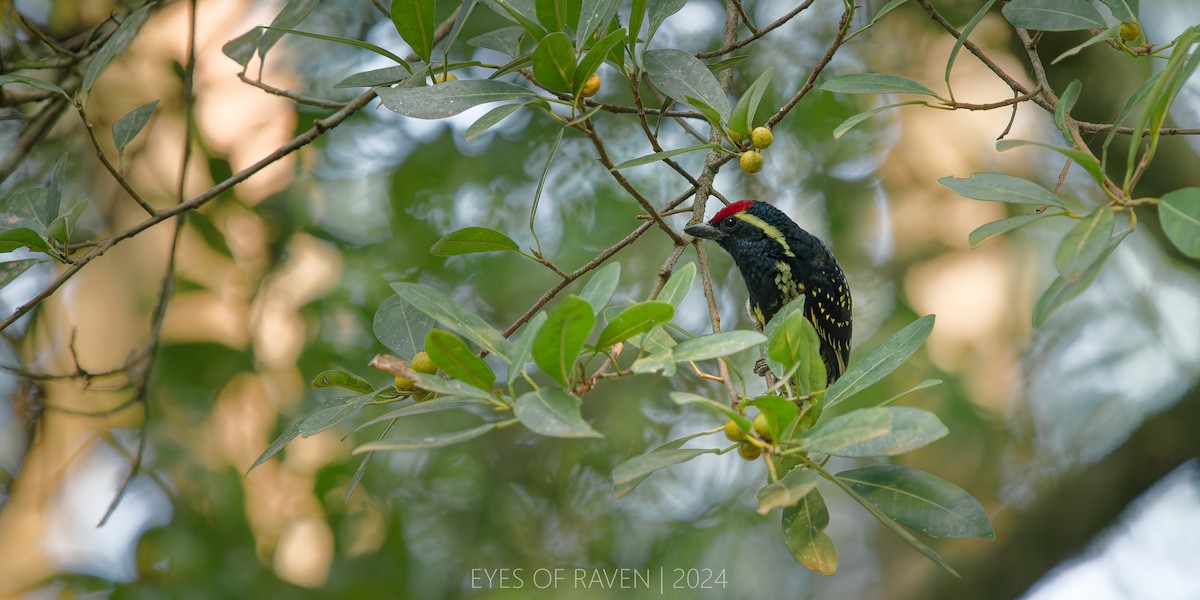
x: 290, y: 95
x: 625, y: 183
x: 843, y: 27
x: 108, y: 166
x: 730, y: 46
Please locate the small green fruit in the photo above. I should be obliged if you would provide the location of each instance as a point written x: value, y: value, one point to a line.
x: 404, y: 384
x: 749, y: 451
x: 1130, y: 31
x: 421, y: 363
x: 751, y: 161
x: 591, y: 86
x: 761, y: 137
x: 733, y: 432
x: 761, y: 427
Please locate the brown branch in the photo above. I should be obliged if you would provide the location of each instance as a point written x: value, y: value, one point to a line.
x: 319, y: 128
x: 290, y: 95
x: 625, y: 183
x: 108, y: 166
x: 730, y: 46
x: 843, y: 27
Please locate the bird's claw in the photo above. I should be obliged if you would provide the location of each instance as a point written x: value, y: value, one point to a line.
x: 760, y: 367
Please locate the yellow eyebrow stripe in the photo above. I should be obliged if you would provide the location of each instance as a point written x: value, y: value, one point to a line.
x: 770, y: 230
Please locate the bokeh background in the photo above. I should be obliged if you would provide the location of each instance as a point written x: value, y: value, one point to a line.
x: 280, y: 279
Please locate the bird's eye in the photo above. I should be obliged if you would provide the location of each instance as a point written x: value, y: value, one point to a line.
x: 729, y: 223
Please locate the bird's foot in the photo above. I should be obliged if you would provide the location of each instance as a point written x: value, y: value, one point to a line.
x: 760, y: 368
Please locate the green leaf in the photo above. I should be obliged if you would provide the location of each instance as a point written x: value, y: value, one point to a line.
x: 630, y: 473
x: 464, y: 13
x: 375, y: 77
x: 1122, y: 10
x: 710, y: 114
x: 20, y: 237
x: 129, y: 126
x: 728, y: 63
x: 1053, y: 15
x: 115, y: 45
x: 436, y: 440
x: 681, y: 75
x: 999, y: 187
x: 636, y: 319
x: 30, y: 207
x: 506, y: 40
x: 789, y: 490
x: 874, y: 83
x: 881, y: 361
x: 1084, y: 243
x: 741, y: 119
x: 401, y: 327
x: 657, y: 156
x: 659, y: 11
x: 924, y: 502
x: 887, y: 8
x: 448, y: 387
x: 554, y: 413
x: 990, y: 230
x: 928, y: 383
x: 293, y: 13
x: 341, y: 40
x: 1061, y: 290
x: 1066, y: 102
x: 716, y: 345
x: 415, y: 21
x: 853, y: 121
x: 557, y: 344
x: 522, y: 12
x: 637, y: 14
x: 241, y: 48
x: 887, y: 521
x: 489, y: 120
x: 794, y: 343
x: 804, y: 534
x: 37, y: 83
x: 470, y: 240
x: 522, y: 347
x: 449, y: 98
x: 595, y: 57
x: 678, y: 286
x: 907, y: 429
x: 63, y: 225
x: 452, y: 356
x: 452, y: 316
x: 429, y: 406
x: 554, y: 62
x: 12, y: 269
x: 846, y: 431
x: 600, y: 287
x: 558, y: 15
x: 1083, y: 159
x: 721, y: 409
x: 321, y: 418
x: 595, y: 15
x: 963, y: 36
x: 342, y: 379
x: 1179, y: 212
x: 779, y: 412
x: 1108, y: 34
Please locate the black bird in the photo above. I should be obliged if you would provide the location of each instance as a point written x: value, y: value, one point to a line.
x: 780, y: 261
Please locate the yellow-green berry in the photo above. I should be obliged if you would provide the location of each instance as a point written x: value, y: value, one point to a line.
x: 404, y: 384
x: 591, y: 86
x: 761, y: 137
x: 749, y: 451
x: 733, y: 432
x: 751, y: 161
x: 761, y: 427
x: 440, y: 77
x: 1130, y: 31
x: 421, y: 363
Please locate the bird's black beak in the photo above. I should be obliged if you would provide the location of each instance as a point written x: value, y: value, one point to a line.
x: 706, y: 231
